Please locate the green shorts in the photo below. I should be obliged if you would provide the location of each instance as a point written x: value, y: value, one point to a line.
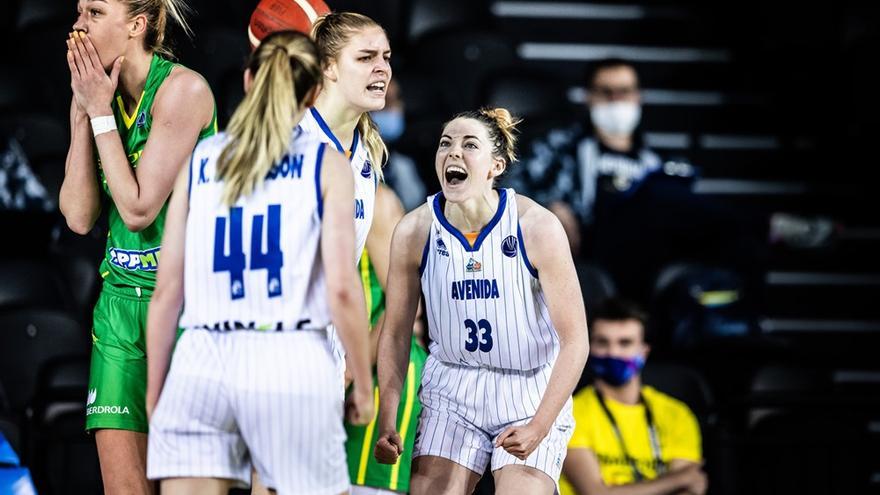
x: 118, y: 374
x: 363, y: 468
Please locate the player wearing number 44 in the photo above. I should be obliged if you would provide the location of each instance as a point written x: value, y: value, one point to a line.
x: 504, y: 307
x: 257, y: 224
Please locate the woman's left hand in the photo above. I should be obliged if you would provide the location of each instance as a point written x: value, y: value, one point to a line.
x: 92, y: 87
x: 520, y: 441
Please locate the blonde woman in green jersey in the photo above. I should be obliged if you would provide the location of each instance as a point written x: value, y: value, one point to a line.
x: 134, y: 118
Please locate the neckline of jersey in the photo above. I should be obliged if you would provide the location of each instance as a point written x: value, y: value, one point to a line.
x: 326, y: 128
x: 484, y: 232
x: 129, y: 121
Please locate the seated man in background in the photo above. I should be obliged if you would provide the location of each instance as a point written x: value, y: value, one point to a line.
x: 632, y: 211
x: 629, y: 439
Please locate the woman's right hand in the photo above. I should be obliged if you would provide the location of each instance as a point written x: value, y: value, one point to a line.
x: 359, y: 406
x: 389, y: 447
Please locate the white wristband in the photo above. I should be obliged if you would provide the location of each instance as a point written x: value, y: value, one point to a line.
x: 100, y: 125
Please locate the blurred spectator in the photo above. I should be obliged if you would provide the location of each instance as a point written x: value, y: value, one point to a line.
x: 629, y: 438
x: 401, y: 172
x: 20, y: 189
x: 633, y: 211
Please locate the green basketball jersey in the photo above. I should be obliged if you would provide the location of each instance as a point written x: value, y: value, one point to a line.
x: 132, y: 258
x: 363, y: 468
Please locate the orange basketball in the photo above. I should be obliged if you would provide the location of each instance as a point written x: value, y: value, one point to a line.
x: 281, y: 15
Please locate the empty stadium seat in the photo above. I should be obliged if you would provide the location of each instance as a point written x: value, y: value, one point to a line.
x: 63, y: 456
x: 694, y: 304
x: 809, y: 452
x: 460, y: 60
x: 596, y: 284
x: 527, y: 95
x: 41, y: 135
x: 82, y: 280
x: 427, y: 16
x: 29, y: 340
x: 30, y: 283
x: 685, y: 384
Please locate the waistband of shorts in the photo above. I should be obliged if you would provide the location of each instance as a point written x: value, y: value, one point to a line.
x: 128, y: 292
x: 494, y: 369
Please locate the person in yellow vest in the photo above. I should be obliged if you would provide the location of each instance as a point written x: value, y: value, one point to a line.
x: 629, y: 439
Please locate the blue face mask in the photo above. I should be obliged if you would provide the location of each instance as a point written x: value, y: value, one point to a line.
x: 616, y: 371
x: 390, y: 122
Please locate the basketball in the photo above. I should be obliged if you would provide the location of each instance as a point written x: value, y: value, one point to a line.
x: 280, y: 15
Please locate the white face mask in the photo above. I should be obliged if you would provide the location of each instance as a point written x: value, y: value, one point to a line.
x: 617, y: 118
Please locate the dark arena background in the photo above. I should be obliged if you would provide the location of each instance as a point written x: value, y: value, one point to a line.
x: 773, y: 105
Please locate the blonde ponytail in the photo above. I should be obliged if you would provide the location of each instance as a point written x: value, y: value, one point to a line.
x: 373, y: 142
x: 286, y: 68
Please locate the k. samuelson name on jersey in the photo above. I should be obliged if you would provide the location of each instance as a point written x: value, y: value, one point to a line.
x: 289, y: 167
x: 254, y: 265
x: 475, y: 289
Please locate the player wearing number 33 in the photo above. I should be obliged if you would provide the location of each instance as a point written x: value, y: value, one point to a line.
x: 256, y: 229
x: 506, y: 319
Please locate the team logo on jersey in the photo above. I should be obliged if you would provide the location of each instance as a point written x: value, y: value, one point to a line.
x: 473, y: 266
x: 441, y: 248
x: 145, y: 261
x: 141, y: 120
x: 366, y: 172
x: 508, y: 246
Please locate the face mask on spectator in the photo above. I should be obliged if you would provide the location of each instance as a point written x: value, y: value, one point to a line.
x: 618, y: 118
x: 616, y: 371
x: 390, y: 122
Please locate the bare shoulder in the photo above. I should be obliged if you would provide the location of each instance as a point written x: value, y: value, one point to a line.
x: 535, y: 220
x: 414, y: 226
x: 543, y: 234
x: 411, y: 234
x: 184, y: 91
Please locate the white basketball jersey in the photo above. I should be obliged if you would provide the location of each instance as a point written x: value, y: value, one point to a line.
x: 256, y: 265
x: 484, y: 302
x: 365, y: 178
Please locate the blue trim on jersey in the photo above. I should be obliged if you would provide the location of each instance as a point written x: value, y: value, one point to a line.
x: 522, y: 248
x: 424, y: 261
x: 189, y: 187
x: 355, y: 139
x: 318, y: 162
x: 324, y: 127
x: 438, y: 211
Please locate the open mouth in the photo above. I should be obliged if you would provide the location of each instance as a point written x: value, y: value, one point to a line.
x: 455, y: 175
x: 377, y: 87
